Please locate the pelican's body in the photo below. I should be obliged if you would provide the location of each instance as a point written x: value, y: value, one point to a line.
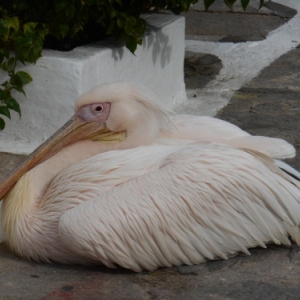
x: 160, y: 195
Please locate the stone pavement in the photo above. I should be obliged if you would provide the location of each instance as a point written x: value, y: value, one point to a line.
x: 220, y: 24
x: 268, y: 105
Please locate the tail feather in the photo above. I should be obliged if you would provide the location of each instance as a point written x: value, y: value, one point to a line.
x: 288, y: 169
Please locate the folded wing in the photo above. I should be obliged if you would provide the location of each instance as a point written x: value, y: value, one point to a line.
x: 203, y: 128
x: 196, y: 202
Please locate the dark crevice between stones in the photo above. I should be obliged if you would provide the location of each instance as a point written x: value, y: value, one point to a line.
x: 200, y: 68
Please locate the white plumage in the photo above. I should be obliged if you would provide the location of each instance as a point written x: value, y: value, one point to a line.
x: 200, y: 189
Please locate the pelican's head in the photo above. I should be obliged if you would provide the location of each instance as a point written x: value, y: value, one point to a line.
x: 107, y: 113
x: 121, y: 106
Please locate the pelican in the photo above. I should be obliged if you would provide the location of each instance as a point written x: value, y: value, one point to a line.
x: 126, y: 183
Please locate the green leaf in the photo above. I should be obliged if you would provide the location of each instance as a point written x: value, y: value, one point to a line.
x: 6, y: 94
x: 2, y: 124
x: 11, y: 64
x: 120, y: 23
x: 110, y: 27
x: 4, y: 66
x: 184, y: 5
x: 131, y: 44
x: 12, y: 104
x: 5, y: 84
x: 28, y: 48
x: 141, y: 26
x: 13, y: 23
x: 112, y: 14
x: 208, y: 3
x: 70, y: 11
x: 24, y: 77
x: 19, y: 89
x: 4, y: 29
x: 29, y: 27
x: 64, y: 29
x: 230, y: 3
x: 129, y: 24
x: 59, y: 30
x: 4, y: 111
x: 4, y: 53
x: 245, y: 4
x: 60, y: 5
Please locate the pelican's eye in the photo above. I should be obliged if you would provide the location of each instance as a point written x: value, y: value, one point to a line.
x: 97, y: 112
x: 98, y: 108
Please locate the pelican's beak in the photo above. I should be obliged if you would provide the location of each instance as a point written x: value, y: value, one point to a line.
x: 74, y: 130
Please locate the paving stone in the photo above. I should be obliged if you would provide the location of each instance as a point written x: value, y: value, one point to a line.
x: 269, y: 273
x: 270, y: 104
x: 223, y: 25
x: 280, y: 10
x: 229, y: 27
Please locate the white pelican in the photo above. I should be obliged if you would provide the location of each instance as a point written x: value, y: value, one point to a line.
x: 122, y: 185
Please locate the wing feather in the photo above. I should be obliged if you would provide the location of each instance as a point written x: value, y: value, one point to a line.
x: 203, y: 128
x: 199, y: 202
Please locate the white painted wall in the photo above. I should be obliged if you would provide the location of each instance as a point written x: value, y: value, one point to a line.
x: 60, y: 77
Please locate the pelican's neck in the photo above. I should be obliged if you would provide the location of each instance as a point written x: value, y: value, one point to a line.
x: 25, y: 197
x: 40, y: 177
x: 140, y: 133
x: 21, y: 204
x: 45, y: 172
x: 18, y: 205
x: 70, y: 155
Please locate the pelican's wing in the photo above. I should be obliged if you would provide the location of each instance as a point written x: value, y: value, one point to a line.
x: 198, y: 203
x: 273, y: 147
x: 288, y: 169
x: 203, y: 128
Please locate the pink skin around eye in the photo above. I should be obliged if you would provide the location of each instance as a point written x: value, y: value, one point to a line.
x: 97, y: 112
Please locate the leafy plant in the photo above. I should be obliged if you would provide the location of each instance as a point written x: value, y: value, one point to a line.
x: 27, y: 43
x: 28, y: 26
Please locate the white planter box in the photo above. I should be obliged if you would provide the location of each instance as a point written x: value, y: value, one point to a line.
x: 60, y: 77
